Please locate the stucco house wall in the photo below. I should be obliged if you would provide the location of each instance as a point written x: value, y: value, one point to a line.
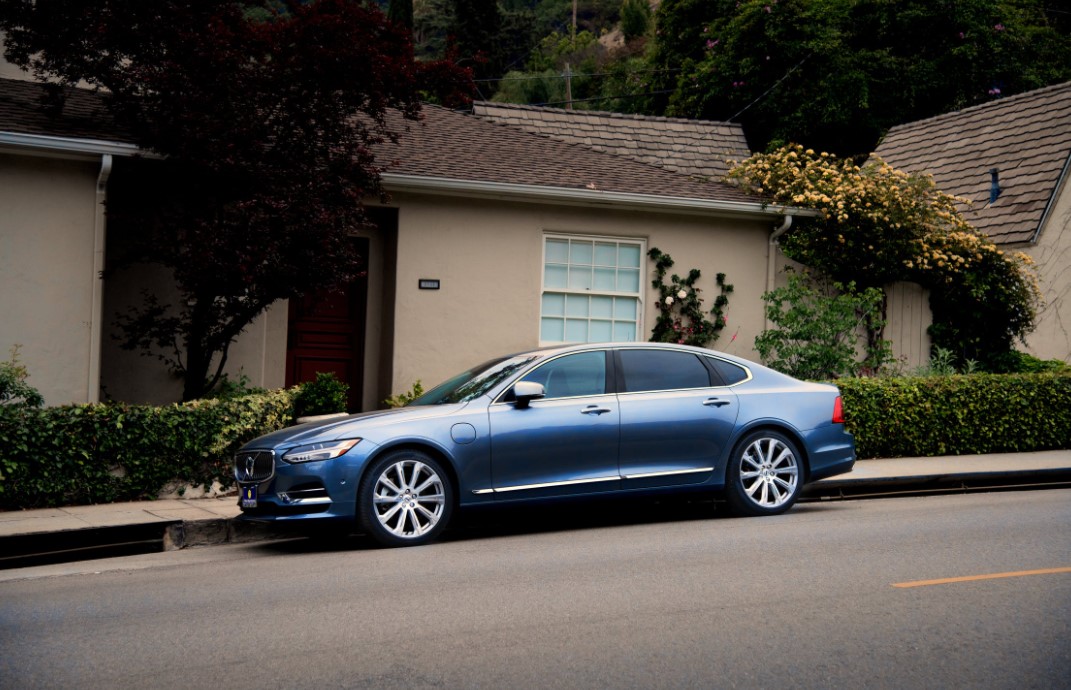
x: 488, y: 257
x: 47, y: 212
x: 1052, y: 254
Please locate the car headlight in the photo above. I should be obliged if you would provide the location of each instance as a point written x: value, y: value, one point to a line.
x: 320, y: 451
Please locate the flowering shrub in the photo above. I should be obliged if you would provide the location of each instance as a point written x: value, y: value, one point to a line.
x: 681, y: 318
x: 881, y: 225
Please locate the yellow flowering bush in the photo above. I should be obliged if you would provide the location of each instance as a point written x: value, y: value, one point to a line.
x: 880, y: 225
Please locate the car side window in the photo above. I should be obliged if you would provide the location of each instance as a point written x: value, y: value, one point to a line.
x: 571, y: 376
x: 662, y: 370
x: 730, y: 373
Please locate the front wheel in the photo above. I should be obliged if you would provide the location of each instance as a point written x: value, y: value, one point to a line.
x: 764, y: 474
x: 406, y: 499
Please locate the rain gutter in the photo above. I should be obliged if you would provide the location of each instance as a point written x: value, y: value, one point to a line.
x: 582, y: 196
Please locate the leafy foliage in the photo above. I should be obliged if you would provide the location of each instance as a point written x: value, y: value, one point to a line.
x: 635, y: 18
x: 403, y: 399
x: 816, y: 330
x: 13, y: 387
x: 681, y: 317
x: 958, y: 415
x: 267, y: 120
x: 326, y: 394
x: 77, y: 454
x: 879, y: 225
x: 835, y: 74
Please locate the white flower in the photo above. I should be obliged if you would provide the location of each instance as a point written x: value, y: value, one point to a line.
x: 669, y: 301
x: 682, y: 294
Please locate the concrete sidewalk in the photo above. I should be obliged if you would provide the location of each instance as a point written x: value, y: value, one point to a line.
x: 56, y: 534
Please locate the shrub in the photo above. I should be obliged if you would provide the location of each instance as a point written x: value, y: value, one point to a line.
x: 325, y: 395
x: 403, y: 399
x: 13, y: 387
x: 958, y: 415
x: 815, y: 330
x: 97, y: 453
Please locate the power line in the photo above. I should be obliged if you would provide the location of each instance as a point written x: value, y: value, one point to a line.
x: 604, y: 98
x: 577, y: 74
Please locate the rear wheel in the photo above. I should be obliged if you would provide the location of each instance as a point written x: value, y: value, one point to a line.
x: 406, y: 499
x: 764, y: 474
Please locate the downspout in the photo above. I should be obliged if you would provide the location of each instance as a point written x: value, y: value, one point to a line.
x: 771, y: 260
x: 97, y: 299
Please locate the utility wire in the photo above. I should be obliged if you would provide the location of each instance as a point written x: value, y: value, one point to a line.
x: 577, y: 74
x: 604, y: 98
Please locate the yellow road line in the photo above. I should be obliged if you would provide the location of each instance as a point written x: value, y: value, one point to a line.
x: 973, y: 578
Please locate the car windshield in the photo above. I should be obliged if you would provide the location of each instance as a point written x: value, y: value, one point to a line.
x: 474, y: 382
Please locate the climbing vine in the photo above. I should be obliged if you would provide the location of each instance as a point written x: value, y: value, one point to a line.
x: 681, y: 315
x: 879, y: 225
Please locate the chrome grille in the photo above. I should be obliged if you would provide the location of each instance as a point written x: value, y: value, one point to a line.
x: 254, y: 465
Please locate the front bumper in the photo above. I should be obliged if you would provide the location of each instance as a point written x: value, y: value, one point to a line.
x: 323, y: 490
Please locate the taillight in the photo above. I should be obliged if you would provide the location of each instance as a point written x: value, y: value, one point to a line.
x: 838, y: 412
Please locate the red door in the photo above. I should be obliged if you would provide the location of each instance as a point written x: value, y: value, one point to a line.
x: 326, y: 334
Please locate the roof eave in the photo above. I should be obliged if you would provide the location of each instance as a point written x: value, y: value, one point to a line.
x: 1056, y: 191
x: 587, y: 197
x: 65, y: 147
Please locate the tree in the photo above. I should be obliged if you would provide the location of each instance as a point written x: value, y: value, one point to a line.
x: 401, y: 12
x: 880, y: 225
x: 267, y: 120
x: 835, y: 74
x: 635, y: 18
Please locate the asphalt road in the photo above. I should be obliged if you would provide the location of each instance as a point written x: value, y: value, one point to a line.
x: 623, y: 595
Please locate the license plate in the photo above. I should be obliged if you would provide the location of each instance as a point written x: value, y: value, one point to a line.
x: 249, y: 496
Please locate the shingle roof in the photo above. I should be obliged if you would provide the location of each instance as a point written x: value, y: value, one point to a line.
x: 1026, y: 137
x: 451, y: 145
x: 443, y: 144
x: 692, y: 147
x: 24, y: 110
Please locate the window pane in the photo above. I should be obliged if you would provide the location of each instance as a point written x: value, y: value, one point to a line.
x: 605, y: 279
x: 602, y: 307
x: 606, y: 254
x: 576, y: 330
x: 576, y: 305
x: 579, y: 278
x: 573, y: 375
x: 628, y: 256
x: 552, y: 330
x: 625, y: 308
x: 662, y: 370
x: 600, y: 331
x: 557, y: 251
x: 580, y: 252
x: 624, y: 332
x: 555, y: 277
x: 553, y: 304
x: 729, y: 372
x: 628, y: 280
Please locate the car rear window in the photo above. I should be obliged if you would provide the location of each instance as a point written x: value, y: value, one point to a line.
x: 729, y: 372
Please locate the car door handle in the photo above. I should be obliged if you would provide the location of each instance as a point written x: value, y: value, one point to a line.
x: 594, y: 409
x: 716, y: 402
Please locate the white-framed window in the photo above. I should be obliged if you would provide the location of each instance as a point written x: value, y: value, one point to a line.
x: 592, y: 289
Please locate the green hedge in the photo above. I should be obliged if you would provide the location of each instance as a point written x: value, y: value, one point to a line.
x: 958, y: 415
x: 81, y: 454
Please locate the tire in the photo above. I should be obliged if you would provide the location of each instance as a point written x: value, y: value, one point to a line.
x: 405, y: 499
x: 765, y: 474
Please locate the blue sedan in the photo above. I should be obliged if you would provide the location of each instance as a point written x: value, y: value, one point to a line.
x: 575, y: 421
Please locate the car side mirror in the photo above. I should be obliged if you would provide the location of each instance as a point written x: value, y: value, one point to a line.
x: 524, y: 392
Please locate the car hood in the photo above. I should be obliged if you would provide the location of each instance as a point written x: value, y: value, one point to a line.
x: 350, y: 426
